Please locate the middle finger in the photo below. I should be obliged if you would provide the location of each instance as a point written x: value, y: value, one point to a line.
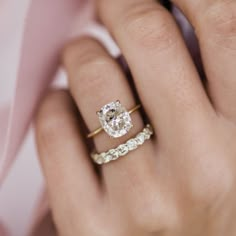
x: 165, y: 76
x: 215, y: 26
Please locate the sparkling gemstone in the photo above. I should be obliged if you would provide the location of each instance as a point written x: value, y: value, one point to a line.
x: 115, y: 119
x: 140, y: 138
x: 99, y: 158
x: 132, y: 144
x: 123, y: 149
x: 107, y: 158
x: 148, y: 130
x: 114, y: 153
x: 146, y: 133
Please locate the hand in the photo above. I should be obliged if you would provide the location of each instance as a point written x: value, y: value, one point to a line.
x: 181, y: 182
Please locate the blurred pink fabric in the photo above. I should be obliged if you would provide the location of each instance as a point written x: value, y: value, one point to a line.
x: 32, y: 33
x: 45, y: 26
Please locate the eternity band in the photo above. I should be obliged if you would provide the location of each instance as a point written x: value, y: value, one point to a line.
x: 98, y: 130
x: 124, y: 149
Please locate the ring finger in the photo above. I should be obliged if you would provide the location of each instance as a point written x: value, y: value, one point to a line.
x: 95, y: 79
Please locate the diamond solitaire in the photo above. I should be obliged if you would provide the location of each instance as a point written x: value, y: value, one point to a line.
x: 115, y: 119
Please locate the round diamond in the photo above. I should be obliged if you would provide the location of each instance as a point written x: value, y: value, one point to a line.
x: 132, y: 144
x: 123, y: 149
x: 115, y: 119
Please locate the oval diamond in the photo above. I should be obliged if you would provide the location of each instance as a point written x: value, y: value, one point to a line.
x: 132, y: 144
x: 114, y: 153
x: 123, y: 149
x: 140, y: 138
x: 107, y: 158
x: 115, y: 119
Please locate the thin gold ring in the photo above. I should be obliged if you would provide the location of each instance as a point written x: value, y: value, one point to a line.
x: 100, y: 129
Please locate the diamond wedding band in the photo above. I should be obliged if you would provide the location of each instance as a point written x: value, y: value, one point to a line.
x: 123, y: 149
x: 115, y: 120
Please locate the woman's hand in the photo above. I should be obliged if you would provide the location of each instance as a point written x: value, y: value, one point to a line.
x: 183, y: 181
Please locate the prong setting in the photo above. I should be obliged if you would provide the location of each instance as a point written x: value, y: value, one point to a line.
x: 115, y: 119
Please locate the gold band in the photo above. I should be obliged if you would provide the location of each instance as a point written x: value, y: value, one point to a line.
x: 98, y: 130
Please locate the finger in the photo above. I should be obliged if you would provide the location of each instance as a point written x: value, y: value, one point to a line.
x: 45, y: 227
x: 96, y: 79
x: 72, y: 183
x: 215, y: 26
x: 166, y: 79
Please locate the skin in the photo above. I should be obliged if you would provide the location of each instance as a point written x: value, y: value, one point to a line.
x: 183, y: 181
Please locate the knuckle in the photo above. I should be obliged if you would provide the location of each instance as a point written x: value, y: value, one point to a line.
x: 150, y: 27
x: 88, y: 66
x: 91, y: 60
x: 93, y: 72
x: 221, y: 22
x: 212, y: 185
x: 90, y: 223
x: 80, y: 49
x: 145, y: 211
